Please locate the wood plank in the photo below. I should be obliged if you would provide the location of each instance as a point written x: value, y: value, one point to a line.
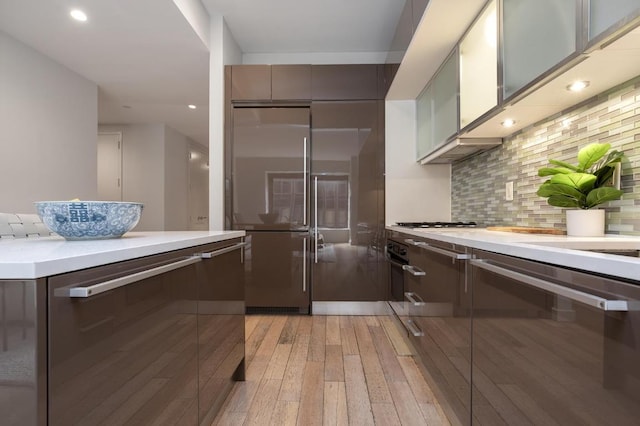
x: 333, y: 330
x: 250, y: 323
x: 241, y: 397
x: 406, y: 405
x: 386, y: 353
x: 394, y: 334
x: 318, y: 338
x: 278, y: 363
x: 304, y: 328
x: 335, y: 404
x: 289, y: 330
x: 385, y: 413
x: 358, y: 404
x: 333, y: 365
x: 294, y: 371
x: 429, y: 406
x: 285, y: 413
x: 348, y: 337
x: 263, y: 403
x: 311, y: 398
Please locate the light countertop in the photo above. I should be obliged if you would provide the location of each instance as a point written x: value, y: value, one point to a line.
x: 559, y: 250
x: 29, y: 258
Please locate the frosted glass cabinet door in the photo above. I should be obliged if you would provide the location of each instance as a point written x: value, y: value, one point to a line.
x: 424, y: 115
x: 445, y: 100
x: 537, y: 35
x: 605, y: 13
x: 478, y: 56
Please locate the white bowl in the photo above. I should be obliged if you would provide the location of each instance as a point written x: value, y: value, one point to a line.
x: 89, y: 220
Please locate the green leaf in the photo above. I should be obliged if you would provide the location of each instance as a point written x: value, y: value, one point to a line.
x: 562, y: 164
x: 590, y: 154
x: 603, y: 175
x: 551, y: 189
x: 562, y: 201
x: 602, y: 195
x: 581, y: 181
x: 547, y: 171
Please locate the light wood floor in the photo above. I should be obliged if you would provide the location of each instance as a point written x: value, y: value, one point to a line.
x: 329, y: 370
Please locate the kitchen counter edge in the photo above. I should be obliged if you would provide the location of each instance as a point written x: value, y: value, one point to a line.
x: 532, y: 247
x: 31, y: 258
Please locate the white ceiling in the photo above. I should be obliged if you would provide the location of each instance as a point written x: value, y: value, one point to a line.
x: 310, y: 26
x: 143, y: 54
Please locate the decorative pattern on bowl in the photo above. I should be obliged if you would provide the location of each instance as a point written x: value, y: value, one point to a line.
x: 89, y: 220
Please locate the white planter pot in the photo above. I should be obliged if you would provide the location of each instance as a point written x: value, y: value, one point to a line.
x: 585, y: 223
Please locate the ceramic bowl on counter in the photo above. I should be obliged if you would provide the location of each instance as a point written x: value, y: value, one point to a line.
x: 89, y: 220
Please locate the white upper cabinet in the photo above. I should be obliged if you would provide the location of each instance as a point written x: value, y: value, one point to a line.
x: 537, y: 35
x: 478, y: 58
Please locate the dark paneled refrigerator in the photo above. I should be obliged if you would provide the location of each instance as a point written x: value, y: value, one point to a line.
x: 307, y: 186
x: 269, y: 189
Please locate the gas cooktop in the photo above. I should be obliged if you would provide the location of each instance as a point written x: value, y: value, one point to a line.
x: 437, y: 224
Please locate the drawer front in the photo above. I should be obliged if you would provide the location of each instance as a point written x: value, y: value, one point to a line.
x: 128, y: 354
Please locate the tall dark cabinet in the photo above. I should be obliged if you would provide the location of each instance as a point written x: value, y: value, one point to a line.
x: 336, y: 196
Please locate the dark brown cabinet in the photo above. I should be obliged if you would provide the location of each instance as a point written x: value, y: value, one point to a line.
x: 438, y: 300
x: 345, y: 82
x: 290, y: 82
x: 127, y: 354
x: 250, y: 82
x: 552, y: 345
x: 158, y: 339
x: 270, y: 82
x: 221, y: 310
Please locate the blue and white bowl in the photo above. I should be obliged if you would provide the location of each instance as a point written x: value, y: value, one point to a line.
x: 89, y: 220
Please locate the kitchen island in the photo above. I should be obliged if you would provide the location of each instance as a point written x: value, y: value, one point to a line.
x: 147, y: 327
x: 515, y: 328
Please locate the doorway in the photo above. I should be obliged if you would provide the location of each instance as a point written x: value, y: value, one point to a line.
x: 110, y: 166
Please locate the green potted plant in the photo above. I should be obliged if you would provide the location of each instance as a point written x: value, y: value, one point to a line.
x: 582, y: 187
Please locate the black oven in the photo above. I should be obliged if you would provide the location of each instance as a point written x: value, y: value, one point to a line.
x: 397, y: 257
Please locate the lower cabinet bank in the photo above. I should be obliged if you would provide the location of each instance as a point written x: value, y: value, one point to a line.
x: 155, y: 340
x: 510, y: 341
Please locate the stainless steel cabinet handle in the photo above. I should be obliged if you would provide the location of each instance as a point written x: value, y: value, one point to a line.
x: 315, y: 218
x: 413, y: 328
x: 414, y: 299
x: 304, y: 184
x: 304, y: 265
x: 428, y: 247
x: 128, y: 279
x: 557, y: 289
x: 222, y: 251
x: 416, y: 272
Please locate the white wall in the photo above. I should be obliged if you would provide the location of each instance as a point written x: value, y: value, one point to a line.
x: 176, y: 180
x: 317, y: 58
x: 48, y: 121
x: 224, y: 51
x: 413, y: 192
x: 143, y: 158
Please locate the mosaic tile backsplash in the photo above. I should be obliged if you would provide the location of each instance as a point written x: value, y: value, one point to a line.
x: 478, y: 183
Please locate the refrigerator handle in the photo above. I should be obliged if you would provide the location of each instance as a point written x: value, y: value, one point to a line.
x: 304, y: 183
x: 315, y: 218
x: 304, y: 264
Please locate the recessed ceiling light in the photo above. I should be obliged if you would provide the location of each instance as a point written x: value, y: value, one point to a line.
x: 577, y: 86
x: 508, y: 122
x: 191, y: 106
x: 78, y: 15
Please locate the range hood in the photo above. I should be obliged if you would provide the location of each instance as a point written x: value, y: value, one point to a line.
x: 460, y: 148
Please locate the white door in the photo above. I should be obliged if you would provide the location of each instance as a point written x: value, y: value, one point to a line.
x: 110, y: 166
x: 198, y: 189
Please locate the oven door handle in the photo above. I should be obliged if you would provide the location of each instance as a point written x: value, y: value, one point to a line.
x: 395, y: 262
x: 414, y: 298
x: 557, y: 289
x: 413, y: 270
x: 428, y: 247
